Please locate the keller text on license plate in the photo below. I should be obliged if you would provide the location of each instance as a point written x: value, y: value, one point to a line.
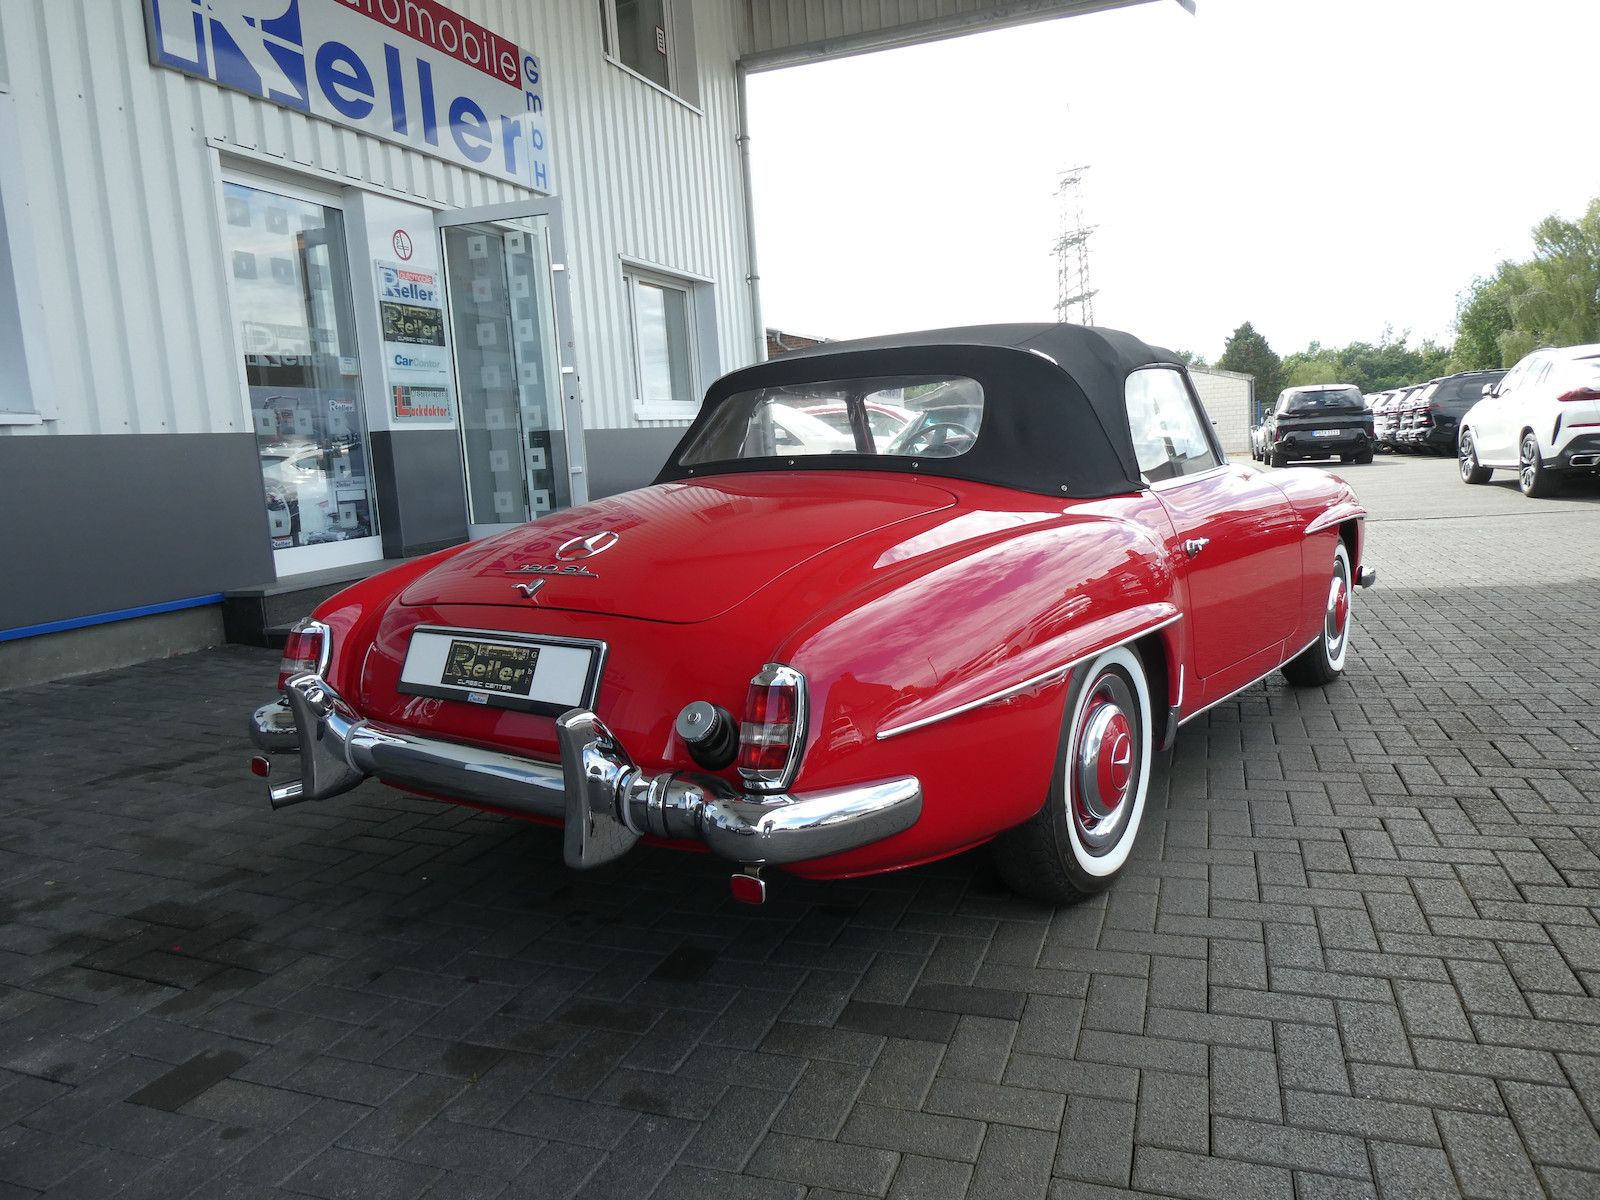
x: 490, y: 666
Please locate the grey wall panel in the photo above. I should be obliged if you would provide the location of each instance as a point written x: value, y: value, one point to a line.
x: 622, y: 459
x: 96, y: 524
x: 421, y: 502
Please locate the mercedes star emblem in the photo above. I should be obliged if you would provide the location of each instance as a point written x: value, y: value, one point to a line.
x: 586, y: 547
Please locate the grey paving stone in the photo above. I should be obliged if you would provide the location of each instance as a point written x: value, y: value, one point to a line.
x: 1014, y: 1165
x: 979, y: 1050
x: 726, y: 1139
x: 1410, y: 1172
x: 1175, y: 1173
x: 1488, y: 1157
x: 903, y: 1073
x: 1173, y: 1111
x: 821, y: 1101
x: 1555, y: 1126
x: 1286, y: 1146
x: 339, y: 1174
x: 1244, y: 1083
x: 996, y: 1102
x: 930, y: 1179
x: 926, y: 1134
x: 699, y: 1183
x: 825, y: 1164
x: 1096, y: 1143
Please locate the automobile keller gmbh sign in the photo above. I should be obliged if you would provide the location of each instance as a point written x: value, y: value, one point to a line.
x: 408, y: 71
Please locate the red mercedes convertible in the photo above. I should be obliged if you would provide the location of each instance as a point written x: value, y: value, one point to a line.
x: 852, y: 654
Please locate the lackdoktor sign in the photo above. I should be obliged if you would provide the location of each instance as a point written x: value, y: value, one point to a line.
x: 410, y: 71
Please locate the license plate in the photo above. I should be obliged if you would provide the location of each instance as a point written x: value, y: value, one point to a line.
x: 490, y: 666
x: 502, y: 670
x: 1327, y: 433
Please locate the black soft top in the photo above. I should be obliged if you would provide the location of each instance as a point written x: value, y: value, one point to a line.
x: 1055, y: 418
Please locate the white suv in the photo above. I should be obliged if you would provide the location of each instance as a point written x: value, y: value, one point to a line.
x: 1542, y: 421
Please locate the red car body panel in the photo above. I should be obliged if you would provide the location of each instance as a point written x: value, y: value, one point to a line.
x: 906, y: 603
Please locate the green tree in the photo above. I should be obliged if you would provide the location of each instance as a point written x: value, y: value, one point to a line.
x: 1553, y: 299
x: 1190, y: 359
x: 1247, y: 352
x: 1483, y: 316
x: 1372, y: 367
x: 1560, y: 305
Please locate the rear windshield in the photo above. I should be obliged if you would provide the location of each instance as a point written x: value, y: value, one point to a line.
x: 942, y: 415
x: 1321, y: 400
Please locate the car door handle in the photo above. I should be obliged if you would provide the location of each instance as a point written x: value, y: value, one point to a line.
x: 1194, y: 545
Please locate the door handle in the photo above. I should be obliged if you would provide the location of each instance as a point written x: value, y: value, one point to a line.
x: 1194, y: 545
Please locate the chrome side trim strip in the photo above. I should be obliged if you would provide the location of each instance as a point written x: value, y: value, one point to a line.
x: 1031, y: 682
x: 1335, y: 517
x: 1251, y: 684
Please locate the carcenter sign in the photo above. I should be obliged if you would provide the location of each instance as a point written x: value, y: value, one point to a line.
x: 409, y: 71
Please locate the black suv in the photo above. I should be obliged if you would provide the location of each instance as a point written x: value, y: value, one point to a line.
x: 1433, y: 426
x: 1323, y: 421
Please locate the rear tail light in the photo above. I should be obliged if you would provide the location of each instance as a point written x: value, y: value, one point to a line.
x: 306, y: 649
x: 773, y: 729
x: 1578, y: 394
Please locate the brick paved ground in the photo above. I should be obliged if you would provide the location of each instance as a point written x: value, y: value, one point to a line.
x: 1357, y: 954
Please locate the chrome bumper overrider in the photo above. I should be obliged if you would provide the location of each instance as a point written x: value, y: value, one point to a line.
x: 606, y: 801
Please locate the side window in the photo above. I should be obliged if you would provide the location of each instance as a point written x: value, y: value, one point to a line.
x: 1169, y: 434
x: 1537, y: 376
x: 1518, y: 376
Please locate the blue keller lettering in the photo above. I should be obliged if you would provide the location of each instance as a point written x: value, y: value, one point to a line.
x: 389, y: 86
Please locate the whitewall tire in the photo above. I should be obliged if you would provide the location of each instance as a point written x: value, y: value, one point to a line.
x: 1079, y: 842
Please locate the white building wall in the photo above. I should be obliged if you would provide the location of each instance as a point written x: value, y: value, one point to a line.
x: 1226, y: 395
x: 118, y: 201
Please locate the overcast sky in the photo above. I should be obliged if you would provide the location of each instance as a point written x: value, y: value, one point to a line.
x: 1319, y: 167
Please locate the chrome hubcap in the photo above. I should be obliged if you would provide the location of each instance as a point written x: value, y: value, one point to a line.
x: 1529, y: 453
x: 1337, y: 623
x: 1467, y: 462
x: 1104, y: 769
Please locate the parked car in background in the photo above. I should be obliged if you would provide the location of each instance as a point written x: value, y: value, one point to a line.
x: 1382, y: 419
x: 845, y: 663
x: 1412, y: 403
x: 1541, y: 420
x: 1436, y: 415
x: 1318, y: 421
x: 884, y: 418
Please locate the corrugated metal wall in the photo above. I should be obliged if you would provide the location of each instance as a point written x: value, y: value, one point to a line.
x: 116, y: 183
x: 784, y: 32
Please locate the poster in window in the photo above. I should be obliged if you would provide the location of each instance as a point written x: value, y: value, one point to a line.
x: 416, y: 361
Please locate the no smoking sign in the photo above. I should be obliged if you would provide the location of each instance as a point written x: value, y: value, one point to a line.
x: 402, y: 245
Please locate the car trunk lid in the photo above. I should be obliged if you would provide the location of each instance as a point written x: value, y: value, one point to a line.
x: 681, y: 552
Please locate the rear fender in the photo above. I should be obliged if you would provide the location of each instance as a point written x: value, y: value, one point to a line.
x: 354, y: 614
x: 958, y: 673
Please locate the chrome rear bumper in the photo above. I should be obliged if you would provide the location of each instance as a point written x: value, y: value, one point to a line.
x: 606, y: 801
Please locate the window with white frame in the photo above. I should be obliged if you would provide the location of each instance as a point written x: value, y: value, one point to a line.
x: 665, y: 348
x: 655, y: 40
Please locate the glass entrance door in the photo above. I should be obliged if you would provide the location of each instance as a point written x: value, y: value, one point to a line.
x: 517, y: 392
x: 292, y: 302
